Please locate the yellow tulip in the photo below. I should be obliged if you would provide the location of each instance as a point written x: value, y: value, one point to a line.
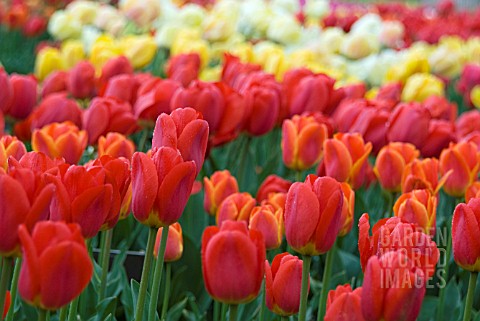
x: 48, y: 60
x: 72, y: 53
x: 140, y: 50
x: 414, y: 63
x: 421, y: 86
x: 103, y: 49
x: 475, y: 96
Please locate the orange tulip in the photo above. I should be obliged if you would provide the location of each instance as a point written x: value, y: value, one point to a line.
x: 343, y: 304
x: 174, y: 249
x: 464, y: 161
x: 235, y: 207
x: 391, y: 162
x: 392, y: 234
x: 60, y: 140
x: 217, y: 188
x: 302, y: 140
x: 56, y: 266
x: 345, y: 159
x: 233, y: 262
x: 313, y: 214
x: 418, y: 207
x: 116, y: 145
x: 423, y: 174
x: 269, y: 222
x: 283, y: 283
x: 277, y: 200
x: 465, y: 231
x: 348, y: 209
x: 161, y: 186
x: 10, y: 146
x: 473, y: 191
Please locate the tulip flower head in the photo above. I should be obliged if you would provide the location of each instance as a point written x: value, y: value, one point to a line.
x: 269, y: 221
x: 233, y: 262
x: 10, y: 146
x: 283, y: 283
x: 344, y: 304
x: 174, y: 249
x: 418, y: 207
x: 465, y: 231
x: 235, y: 207
x: 218, y: 187
x: 56, y: 266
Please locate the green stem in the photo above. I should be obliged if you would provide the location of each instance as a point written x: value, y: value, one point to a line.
x: 166, y: 296
x: 262, y: 303
x: 157, y: 278
x: 5, y: 280
x: 216, y: 310
x: 448, y: 253
x: 233, y: 312
x: 284, y: 318
x: 143, y: 140
x: 472, y: 283
x: 298, y: 176
x: 63, y: 313
x: 105, y: 262
x: 223, y: 315
x: 42, y: 314
x: 14, y: 288
x: 243, y: 162
x: 147, y: 264
x: 326, y: 282
x: 302, y: 313
x: 72, y: 313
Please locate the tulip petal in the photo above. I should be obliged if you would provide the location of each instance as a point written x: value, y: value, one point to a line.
x: 144, y: 185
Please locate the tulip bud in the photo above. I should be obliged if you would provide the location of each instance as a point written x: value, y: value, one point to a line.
x: 391, y: 235
x: 115, y: 66
x: 24, y: 96
x: 60, y: 140
x: 55, y: 82
x: 400, y: 127
x: 217, y: 188
x: 235, y: 207
x: 81, y: 80
x: 56, y: 266
x: 272, y: 184
x: 418, y: 207
x: 348, y: 209
x: 161, y: 186
x: 464, y: 161
x: 391, y: 162
x: 343, y: 304
x: 233, y: 262
x: 302, y: 140
x: 48, y: 60
x: 393, y: 276
x: 154, y: 97
x: 422, y: 174
x: 6, y: 95
x: 345, y: 159
x: 420, y: 86
x: 440, y: 134
x: 465, y: 231
x: 184, y: 68
x: 472, y: 191
x: 283, y: 283
x: 313, y: 214
x: 116, y: 145
x: 269, y: 221
x: 174, y: 249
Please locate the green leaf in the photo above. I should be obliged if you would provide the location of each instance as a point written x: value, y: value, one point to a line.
x: 429, y: 308
x: 105, y: 308
x: 175, y: 312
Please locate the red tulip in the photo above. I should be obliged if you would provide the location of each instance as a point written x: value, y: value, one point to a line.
x: 25, y: 199
x: 313, y: 214
x: 272, y: 184
x: 217, y: 188
x: 269, y: 221
x: 392, y: 278
x: 463, y: 159
x: 469, y: 78
x: 116, y: 145
x: 115, y: 66
x: 81, y: 80
x: 185, y: 130
x: 6, y: 95
x: 283, y: 283
x: 122, y: 87
x: 153, y: 98
x: 440, y: 134
x: 233, y: 262
x: 34, y: 26
x: 440, y: 108
x: 391, y: 162
x: 235, y: 72
x: 343, y: 304
x: 467, y: 123
x: 56, y: 266
x: 36, y: 161
x: 465, y: 231
x: 10, y: 146
x: 184, y: 68
x: 174, y: 249
x: 60, y: 140
x: 106, y: 115
x: 302, y: 140
x: 235, y: 207
x: 82, y: 196
x: 391, y: 235
x: 55, y: 82
x: 6, y: 304
x: 24, y: 96
x: 409, y: 124
x: 161, y: 186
